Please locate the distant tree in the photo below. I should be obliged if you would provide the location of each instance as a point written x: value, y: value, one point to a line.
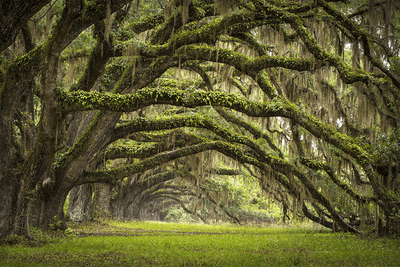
x: 303, y: 95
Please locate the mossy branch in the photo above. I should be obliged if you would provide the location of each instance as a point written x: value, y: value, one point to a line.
x: 75, y: 101
x: 323, y: 166
x: 253, y: 130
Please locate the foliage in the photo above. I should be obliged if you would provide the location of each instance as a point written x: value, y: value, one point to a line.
x: 226, y: 109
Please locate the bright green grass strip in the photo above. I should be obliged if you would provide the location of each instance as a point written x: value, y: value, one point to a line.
x: 222, y: 228
x: 237, y: 247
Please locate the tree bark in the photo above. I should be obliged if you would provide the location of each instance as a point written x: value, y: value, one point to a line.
x: 8, y: 204
x: 13, y: 16
x: 80, y: 206
x: 101, y: 201
x: 53, y: 217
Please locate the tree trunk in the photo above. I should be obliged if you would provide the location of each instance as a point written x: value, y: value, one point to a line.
x: 80, y: 206
x: 35, y: 211
x: 8, y: 203
x: 53, y: 214
x: 101, y: 201
x: 21, y: 222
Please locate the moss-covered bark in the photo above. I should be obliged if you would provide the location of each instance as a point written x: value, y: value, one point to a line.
x: 274, y: 80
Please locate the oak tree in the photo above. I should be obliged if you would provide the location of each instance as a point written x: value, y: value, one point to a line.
x: 303, y: 95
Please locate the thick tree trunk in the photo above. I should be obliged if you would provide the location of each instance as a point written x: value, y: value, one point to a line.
x: 101, y: 201
x: 21, y: 222
x: 35, y: 212
x: 138, y: 205
x: 8, y: 204
x: 53, y: 217
x: 117, y: 209
x: 80, y: 206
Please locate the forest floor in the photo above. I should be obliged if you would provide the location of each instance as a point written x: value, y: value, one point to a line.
x: 114, y: 243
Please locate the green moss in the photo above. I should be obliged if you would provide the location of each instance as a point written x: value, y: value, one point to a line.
x: 26, y: 64
x: 78, y: 148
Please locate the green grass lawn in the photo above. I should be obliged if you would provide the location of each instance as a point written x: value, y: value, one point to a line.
x: 167, y: 244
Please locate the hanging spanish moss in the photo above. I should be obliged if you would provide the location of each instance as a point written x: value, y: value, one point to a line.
x: 70, y: 71
x: 294, y: 208
x: 107, y: 22
x: 221, y: 7
x: 185, y: 11
x: 49, y: 16
x: 35, y: 30
x: 315, y: 90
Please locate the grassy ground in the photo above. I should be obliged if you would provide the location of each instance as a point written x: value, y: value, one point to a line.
x: 167, y: 244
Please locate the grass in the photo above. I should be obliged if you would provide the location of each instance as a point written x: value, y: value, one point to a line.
x: 167, y: 244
